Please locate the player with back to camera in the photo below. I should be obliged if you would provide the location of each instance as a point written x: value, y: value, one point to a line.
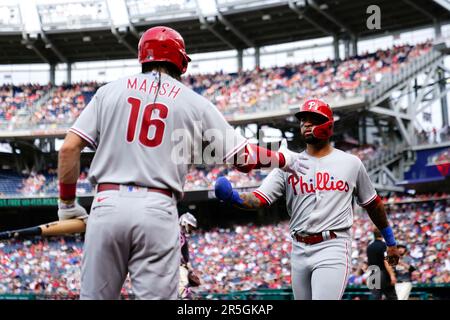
x: 133, y: 224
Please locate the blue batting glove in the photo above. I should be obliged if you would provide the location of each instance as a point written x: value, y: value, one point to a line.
x: 224, y: 191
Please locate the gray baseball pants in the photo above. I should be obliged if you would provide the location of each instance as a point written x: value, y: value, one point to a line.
x: 135, y: 232
x: 320, y: 271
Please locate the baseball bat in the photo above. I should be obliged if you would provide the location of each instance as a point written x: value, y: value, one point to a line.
x: 55, y: 228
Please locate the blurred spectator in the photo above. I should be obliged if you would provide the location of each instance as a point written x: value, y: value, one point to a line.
x: 16, y: 101
x: 434, y: 135
x: 403, y: 273
x: 384, y: 276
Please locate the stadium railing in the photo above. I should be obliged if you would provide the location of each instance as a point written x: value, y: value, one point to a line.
x: 390, y: 153
x: 405, y: 72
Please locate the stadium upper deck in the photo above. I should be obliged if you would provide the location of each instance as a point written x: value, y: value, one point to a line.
x: 76, y: 31
x: 271, y: 91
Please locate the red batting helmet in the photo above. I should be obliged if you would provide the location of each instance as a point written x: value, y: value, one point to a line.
x: 163, y: 44
x: 316, y: 106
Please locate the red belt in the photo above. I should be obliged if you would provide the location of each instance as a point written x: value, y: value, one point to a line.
x: 114, y: 186
x: 313, y: 238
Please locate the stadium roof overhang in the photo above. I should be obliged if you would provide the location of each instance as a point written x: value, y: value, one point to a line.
x: 234, y: 28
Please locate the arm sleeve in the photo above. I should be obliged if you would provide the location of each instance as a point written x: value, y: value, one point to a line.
x: 365, y: 192
x: 220, y: 134
x: 273, y: 186
x: 86, y: 126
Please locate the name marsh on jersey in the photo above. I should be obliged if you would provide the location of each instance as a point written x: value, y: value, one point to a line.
x: 165, y: 88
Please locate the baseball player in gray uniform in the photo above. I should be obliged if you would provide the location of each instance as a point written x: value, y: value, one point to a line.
x: 319, y: 203
x: 133, y: 224
x: 188, y: 277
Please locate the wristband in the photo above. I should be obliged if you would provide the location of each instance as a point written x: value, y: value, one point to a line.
x: 388, y: 236
x: 67, y: 191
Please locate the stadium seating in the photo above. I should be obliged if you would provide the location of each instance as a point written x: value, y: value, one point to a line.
x: 10, y: 183
x: 14, y: 99
x: 243, y: 258
x: 233, y: 93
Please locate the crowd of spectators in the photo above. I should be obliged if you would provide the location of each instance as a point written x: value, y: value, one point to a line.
x: 65, y: 103
x: 41, y: 266
x: 423, y: 227
x: 34, y: 184
x: 405, y: 198
x: 251, y: 90
x: 434, y: 135
x: 202, y: 178
x: 46, y: 183
x: 17, y: 101
x: 244, y: 257
x: 232, y: 93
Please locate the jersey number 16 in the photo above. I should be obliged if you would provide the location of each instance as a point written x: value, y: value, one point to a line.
x: 146, y: 122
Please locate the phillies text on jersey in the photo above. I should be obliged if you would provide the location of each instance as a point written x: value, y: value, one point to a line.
x: 321, y: 199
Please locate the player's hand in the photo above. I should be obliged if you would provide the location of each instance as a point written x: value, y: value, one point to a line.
x: 295, y: 162
x: 393, y: 280
x: 224, y: 191
x: 71, y: 210
x: 392, y: 255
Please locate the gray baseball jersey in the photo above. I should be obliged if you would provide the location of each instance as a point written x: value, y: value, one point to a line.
x: 146, y: 131
x: 135, y: 139
x: 318, y: 202
x: 322, y: 199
